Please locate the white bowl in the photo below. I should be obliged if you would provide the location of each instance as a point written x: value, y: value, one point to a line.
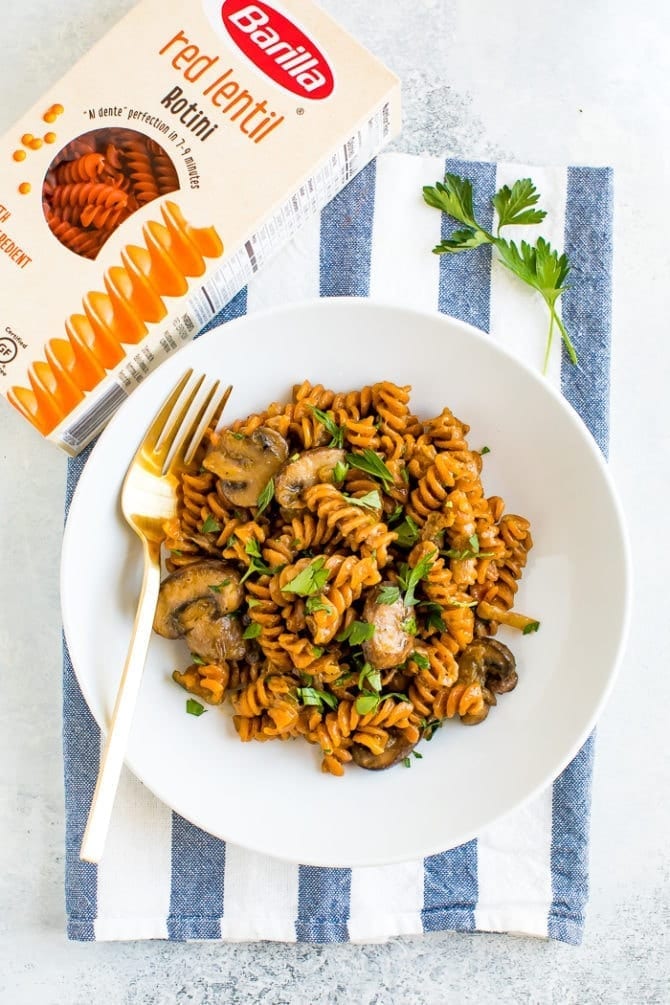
x: 271, y: 797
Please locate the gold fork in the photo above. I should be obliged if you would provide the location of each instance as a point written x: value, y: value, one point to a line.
x: 148, y: 499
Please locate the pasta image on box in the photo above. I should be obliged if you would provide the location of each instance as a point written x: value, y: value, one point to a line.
x: 135, y: 205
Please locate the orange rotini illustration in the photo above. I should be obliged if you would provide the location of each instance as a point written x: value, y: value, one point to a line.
x: 173, y: 252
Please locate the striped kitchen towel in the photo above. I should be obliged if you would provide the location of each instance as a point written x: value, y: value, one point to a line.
x: 163, y: 878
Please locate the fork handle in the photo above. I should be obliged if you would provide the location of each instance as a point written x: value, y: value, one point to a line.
x: 97, y: 826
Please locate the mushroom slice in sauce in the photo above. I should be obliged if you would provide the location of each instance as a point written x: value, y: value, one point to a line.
x: 195, y: 603
x: 310, y: 467
x: 397, y: 749
x: 492, y: 665
x: 245, y: 464
x: 391, y: 644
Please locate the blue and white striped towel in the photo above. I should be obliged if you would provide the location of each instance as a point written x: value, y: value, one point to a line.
x: 163, y: 878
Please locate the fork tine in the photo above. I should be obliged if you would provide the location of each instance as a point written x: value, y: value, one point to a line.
x: 175, y: 423
x: 190, y: 437
x: 158, y: 422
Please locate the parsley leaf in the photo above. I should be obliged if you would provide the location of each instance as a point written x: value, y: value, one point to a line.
x: 546, y: 271
x: 266, y: 497
x: 210, y: 525
x: 428, y: 727
x: 371, y: 500
x: 314, y: 696
x: 340, y: 471
x: 315, y: 604
x: 198, y: 660
x: 370, y: 677
x: 435, y: 619
x: 388, y: 595
x: 532, y: 627
x: 252, y: 631
x: 194, y: 707
x: 311, y: 580
x: 256, y: 563
x: 453, y: 197
x: 366, y: 703
x: 372, y: 464
x: 336, y: 432
x: 217, y: 587
x: 408, y: 532
x: 409, y: 578
x: 485, y: 450
x: 356, y: 633
x: 539, y: 265
x: 513, y: 205
x: 421, y: 660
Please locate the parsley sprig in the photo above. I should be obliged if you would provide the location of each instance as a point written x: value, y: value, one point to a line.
x: 539, y: 266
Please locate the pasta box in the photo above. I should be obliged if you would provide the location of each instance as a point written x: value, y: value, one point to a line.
x: 134, y: 205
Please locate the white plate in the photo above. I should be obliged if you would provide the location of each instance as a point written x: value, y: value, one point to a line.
x: 271, y: 797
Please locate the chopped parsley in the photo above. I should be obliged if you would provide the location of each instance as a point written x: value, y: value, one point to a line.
x: 408, y: 533
x: 210, y: 525
x: 329, y: 424
x: 252, y: 631
x: 316, y: 603
x: 356, y: 633
x: 532, y: 627
x: 266, y: 497
x: 371, y: 500
x: 388, y: 595
x: 256, y: 563
x: 340, y: 471
x: 194, y: 707
x: 372, y: 464
x: 314, y: 696
x: 311, y: 580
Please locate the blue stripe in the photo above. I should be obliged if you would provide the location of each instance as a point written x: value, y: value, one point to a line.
x: 198, y: 859
x: 324, y: 898
x: 235, y: 308
x: 450, y: 878
x: 465, y: 278
x: 587, y: 305
x: 81, y: 759
x: 198, y: 870
x: 450, y: 889
x: 571, y: 812
x: 346, y: 238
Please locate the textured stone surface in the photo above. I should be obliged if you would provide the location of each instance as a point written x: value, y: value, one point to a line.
x: 555, y: 83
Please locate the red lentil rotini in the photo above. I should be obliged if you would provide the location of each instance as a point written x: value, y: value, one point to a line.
x: 362, y: 575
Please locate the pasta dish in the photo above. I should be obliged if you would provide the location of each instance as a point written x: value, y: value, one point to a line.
x: 338, y: 574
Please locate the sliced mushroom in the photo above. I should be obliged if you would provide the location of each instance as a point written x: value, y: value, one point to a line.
x: 195, y: 603
x: 245, y: 464
x: 391, y: 643
x: 310, y: 467
x: 217, y: 640
x: 397, y: 749
x: 210, y: 587
x: 490, y: 664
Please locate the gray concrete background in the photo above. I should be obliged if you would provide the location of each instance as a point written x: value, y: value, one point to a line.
x: 569, y: 82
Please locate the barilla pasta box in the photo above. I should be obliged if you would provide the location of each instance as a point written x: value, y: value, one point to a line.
x: 140, y: 195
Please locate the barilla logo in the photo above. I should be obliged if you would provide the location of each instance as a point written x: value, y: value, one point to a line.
x: 278, y: 48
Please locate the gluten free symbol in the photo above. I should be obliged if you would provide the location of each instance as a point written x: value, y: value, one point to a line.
x: 8, y: 349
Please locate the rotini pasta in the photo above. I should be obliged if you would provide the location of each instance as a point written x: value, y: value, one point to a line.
x: 95, y: 182
x: 359, y: 572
